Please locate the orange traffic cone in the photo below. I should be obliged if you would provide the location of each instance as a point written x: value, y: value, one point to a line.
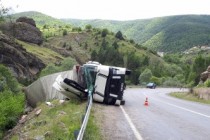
x: 146, y: 103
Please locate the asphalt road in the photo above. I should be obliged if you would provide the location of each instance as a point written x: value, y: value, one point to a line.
x: 165, y: 118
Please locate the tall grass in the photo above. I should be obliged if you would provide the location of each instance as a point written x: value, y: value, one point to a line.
x: 11, y: 100
x: 59, y: 121
x: 66, y: 64
x: 189, y: 97
x: 92, y: 131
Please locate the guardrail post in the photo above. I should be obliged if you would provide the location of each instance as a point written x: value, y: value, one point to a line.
x: 78, y: 134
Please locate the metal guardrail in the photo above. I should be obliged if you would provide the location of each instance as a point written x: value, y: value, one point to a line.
x: 79, y: 135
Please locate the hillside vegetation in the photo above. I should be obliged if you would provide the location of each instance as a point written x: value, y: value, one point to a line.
x: 167, y: 34
x: 11, y: 100
x: 115, y: 48
x: 41, y: 19
x: 107, y: 47
x: 48, y: 25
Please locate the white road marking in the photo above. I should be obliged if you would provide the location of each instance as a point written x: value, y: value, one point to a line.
x: 136, y: 133
x: 207, y: 116
x: 187, y: 109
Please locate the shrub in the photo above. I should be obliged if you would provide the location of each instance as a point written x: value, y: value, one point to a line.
x: 172, y: 82
x: 11, y: 101
x: 7, y: 81
x: 76, y: 29
x: 145, y: 76
x: 132, y: 41
x: 11, y: 106
x: 119, y: 35
x: 64, y: 45
x: 88, y: 27
x: 207, y: 83
x: 66, y: 64
x: 156, y: 80
x: 64, y: 32
x: 69, y: 48
x: 104, y: 32
x: 50, y: 69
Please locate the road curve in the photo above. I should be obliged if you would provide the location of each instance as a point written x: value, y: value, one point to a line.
x: 166, y: 118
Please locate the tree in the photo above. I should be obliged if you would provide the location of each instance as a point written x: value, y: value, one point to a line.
x: 145, y: 76
x: 145, y: 61
x: 104, y: 32
x: 102, y: 54
x: 132, y: 41
x: 76, y: 29
x: 7, y: 80
x: 94, y: 55
x: 45, y: 26
x: 104, y: 44
x: 156, y: 66
x: 119, y: 35
x: 133, y: 63
x: 198, y: 67
x: 88, y: 27
x: 113, y: 57
x: 115, y: 45
x: 64, y: 32
x: 86, y: 46
x: 3, y: 11
x: 68, y: 26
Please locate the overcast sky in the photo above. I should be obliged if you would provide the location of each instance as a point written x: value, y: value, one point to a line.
x: 110, y: 9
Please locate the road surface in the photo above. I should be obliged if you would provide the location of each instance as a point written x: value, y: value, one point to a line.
x: 166, y: 118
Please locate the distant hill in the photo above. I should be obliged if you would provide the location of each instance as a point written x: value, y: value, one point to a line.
x: 168, y: 34
x: 41, y: 19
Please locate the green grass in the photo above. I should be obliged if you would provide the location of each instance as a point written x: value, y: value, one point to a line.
x: 45, y: 54
x: 189, y: 97
x: 11, y: 107
x: 66, y: 64
x: 92, y: 130
x: 60, y: 121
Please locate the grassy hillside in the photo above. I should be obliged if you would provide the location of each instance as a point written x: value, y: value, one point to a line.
x: 40, y: 19
x: 45, y: 54
x: 48, y: 25
x: 92, y: 44
x: 173, y: 33
x: 169, y: 34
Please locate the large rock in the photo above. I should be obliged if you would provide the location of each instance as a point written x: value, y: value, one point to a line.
x: 24, y: 65
x: 27, y: 20
x: 24, y: 29
x: 28, y: 33
x: 208, y: 69
x: 205, y: 75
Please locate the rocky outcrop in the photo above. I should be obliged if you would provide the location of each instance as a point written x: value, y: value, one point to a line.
x: 27, y: 20
x: 24, y: 29
x: 205, y: 75
x: 24, y: 65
